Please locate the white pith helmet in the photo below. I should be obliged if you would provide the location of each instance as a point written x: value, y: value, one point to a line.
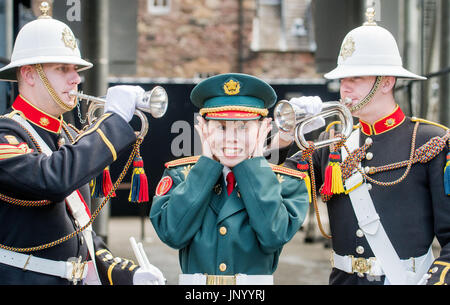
x: 44, y: 40
x: 370, y: 50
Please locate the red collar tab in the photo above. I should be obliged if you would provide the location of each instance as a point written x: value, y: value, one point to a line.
x: 36, y: 116
x: 385, y: 124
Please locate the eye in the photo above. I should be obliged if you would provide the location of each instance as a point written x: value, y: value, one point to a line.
x: 61, y: 68
x: 242, y: 127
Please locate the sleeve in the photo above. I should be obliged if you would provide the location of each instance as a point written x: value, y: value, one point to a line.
x: 178, y: 214
x: 56, y: 176
x: 440, y: 269
x: 276, y: 207
x: 112, y: 270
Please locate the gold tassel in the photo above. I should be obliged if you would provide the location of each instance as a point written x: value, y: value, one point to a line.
x: 333, y: 176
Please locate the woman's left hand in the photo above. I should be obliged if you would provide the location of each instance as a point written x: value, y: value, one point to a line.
x: 263, y: 131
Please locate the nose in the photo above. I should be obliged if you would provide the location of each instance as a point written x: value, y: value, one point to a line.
x: 74, y: 78
x: 345, y: 86
x: 230, y: 133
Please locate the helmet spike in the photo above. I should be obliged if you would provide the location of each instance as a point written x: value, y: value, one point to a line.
x: 370, y: 15
x: 44, y: 8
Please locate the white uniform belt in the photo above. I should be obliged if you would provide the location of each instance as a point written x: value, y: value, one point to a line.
x: 372, y: 266
x: 71, y: 270
x: 238, y: 279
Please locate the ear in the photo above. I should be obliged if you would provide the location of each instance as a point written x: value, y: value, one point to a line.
x: 28, y: 74
x: 388, y: 83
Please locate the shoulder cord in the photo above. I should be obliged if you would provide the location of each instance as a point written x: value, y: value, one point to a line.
x: 30, y: 203
x: 408, y: 163
x: 422, y: 154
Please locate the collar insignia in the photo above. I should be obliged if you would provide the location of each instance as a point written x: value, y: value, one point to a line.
x: 44, y: 121
x: 390, y: 122
x: 232, y: 87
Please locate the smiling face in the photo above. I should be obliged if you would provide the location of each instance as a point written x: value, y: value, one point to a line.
x: 232, y: 141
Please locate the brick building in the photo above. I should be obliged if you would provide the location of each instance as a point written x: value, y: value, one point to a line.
x: 198, y: 38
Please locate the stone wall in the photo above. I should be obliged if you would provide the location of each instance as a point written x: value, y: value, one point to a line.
x: 201, y: 37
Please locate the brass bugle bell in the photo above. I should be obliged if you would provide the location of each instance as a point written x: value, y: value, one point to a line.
x: 289, y: 117
x: 154, y: 102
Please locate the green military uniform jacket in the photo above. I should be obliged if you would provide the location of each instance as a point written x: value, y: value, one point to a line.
x: 225, y: 235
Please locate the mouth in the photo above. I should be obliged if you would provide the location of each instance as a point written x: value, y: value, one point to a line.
x: 232, y: 152
x: 349, y: 102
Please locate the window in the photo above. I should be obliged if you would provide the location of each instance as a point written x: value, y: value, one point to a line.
x: 158, y: 7
x: 283, y: 26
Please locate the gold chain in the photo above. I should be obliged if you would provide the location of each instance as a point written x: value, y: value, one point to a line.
x: 50, y: 89
x: 369, y: 96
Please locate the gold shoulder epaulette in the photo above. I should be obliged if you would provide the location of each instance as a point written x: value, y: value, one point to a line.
x: 287, y: 171
x: 414, y: 119
x: 182, y: 161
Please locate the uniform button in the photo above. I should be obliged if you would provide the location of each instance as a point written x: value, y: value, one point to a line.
x: 369, y: 186
x: 434, y: 270
x: 360, y: 250
x: 369, y: 141
x: 222, y: 267
x: 367, y: 169
x: 218, y: 189
x: 359, y: 233
x: 369, y: 156
x: 223, y: 230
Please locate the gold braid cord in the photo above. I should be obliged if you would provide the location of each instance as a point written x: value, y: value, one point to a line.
x: 261, y: 111
x: 94, y: 215
x: 307, y: 154
x: 26, y: 203
x: 423, y: 154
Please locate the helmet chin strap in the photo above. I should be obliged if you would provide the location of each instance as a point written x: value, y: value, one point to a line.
x: 368, y: 97
x: 50, y: 89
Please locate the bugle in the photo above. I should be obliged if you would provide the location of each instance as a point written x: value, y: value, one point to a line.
x: 289, y: 117
x: 154, y: 102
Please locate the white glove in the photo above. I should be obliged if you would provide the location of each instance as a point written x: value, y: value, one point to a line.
x: 150, y: 275
x: 311, y: 105
x: 122, y: 100
x: 147, y: 274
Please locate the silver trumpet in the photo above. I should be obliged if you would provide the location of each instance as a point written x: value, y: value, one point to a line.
x: 154, y: 102
x: 291, y: 118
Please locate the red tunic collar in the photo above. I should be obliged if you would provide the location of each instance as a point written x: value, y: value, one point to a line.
x: 36, y: 116
x: 385, y: 124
